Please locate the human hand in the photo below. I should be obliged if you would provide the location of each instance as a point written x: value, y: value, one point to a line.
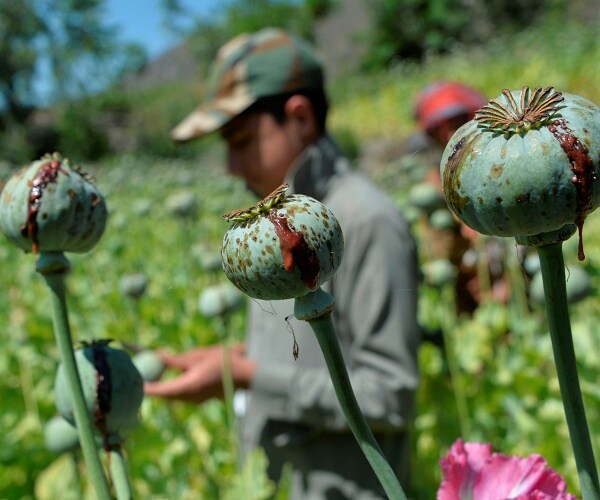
x: 201, y: 375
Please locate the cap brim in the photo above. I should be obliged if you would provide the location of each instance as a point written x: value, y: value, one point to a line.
x: 210, y: 118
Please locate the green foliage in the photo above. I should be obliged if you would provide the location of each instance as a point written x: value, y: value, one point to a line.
x: 184, y: 451
x: 411, y: 29
x: 80, y: 52
x: 382, y: 104
x: 173, y: 439
x: 503, y: 356
x: 242, y: 17
x: 81, y: 133
x: 348, y: 142
x: 19, y: 24
x: 67, y: 45
x: 158, y: 110
x: 504, y: 389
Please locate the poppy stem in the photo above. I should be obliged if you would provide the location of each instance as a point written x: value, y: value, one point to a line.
x: 559, y: 324
x: 119, y: 473
x: 316, y: 308
x: 54, y: 266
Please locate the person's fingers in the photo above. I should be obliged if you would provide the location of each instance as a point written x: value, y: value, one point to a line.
x: 239, y: 349
x: 183, y: 361
x: 174, y: 360
x: 184, y: 387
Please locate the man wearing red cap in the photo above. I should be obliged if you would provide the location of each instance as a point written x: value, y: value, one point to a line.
x: 440, y: 109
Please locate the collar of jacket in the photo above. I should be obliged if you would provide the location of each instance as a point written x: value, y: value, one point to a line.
x: 315, y: 168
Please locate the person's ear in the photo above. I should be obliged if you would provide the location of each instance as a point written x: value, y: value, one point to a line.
x: 299, y: 109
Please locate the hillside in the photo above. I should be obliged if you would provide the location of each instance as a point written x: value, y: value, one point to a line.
x: 135, y: 117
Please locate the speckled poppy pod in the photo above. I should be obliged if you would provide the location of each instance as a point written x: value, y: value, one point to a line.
x: 284, y: 247
x: 50, y: 206
x: 526, y: 166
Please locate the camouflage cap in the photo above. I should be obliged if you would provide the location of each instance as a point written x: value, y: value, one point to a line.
x: 265, y: 63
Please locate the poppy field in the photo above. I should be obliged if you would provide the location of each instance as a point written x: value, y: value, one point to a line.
x: 490, y: 379
x: 487, y: 378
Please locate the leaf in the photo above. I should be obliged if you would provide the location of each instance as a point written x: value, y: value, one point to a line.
x: 59, y: 480
x: 252, y: 483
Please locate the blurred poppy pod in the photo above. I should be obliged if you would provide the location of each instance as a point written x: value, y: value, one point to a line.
x: 60, y: 436
x: 112, y: 387
x: 526, y: 166
x: 50, y: 206
x: 149, y: 364
x: 425, y: 196
x: 219, y: 300
x: 183, y: 204
x: 284, y: 247
x: 134, y: 285
x: 579, y: 285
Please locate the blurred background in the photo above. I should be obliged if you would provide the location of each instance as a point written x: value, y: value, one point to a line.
x: 104, y: 78
x: 103, y: 82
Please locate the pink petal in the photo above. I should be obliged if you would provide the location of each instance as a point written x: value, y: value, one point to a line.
x: 460, y: 468
x: 472, y: 471
x: 511, y: 477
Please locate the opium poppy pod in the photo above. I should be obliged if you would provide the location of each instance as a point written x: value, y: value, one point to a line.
x: 526, y: 166
x: 50, y: 206
x: 112, y: 387
x: 284, y: 247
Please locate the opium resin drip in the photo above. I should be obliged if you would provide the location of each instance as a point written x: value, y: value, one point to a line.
x: 46, y: 174
x: 582, y: 167
x: 103, y: 388
x: 295, y: 251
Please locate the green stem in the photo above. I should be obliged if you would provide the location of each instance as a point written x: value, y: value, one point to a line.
x: 309, y: 308
x: 137, y: 315
x: 553, y: 275
x: 226, y: 374
x: 54, y: 267
x: 518, y: 291
x: 229, y: 391
x: 75, y: 479
x: 119, y: 474
x: 448, y: 315
x: 483, y: 268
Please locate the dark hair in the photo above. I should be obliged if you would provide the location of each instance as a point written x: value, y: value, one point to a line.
x: 275, y: 105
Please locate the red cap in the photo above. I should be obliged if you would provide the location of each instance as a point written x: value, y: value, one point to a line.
x: 443, y: 100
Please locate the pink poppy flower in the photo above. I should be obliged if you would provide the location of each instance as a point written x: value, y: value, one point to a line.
x: 472, y: 472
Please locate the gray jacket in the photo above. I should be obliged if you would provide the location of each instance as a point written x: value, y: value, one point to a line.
x: 292, y: 409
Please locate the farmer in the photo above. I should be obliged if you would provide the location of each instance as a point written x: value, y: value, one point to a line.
x: 267, y: 101
x: 440, y: 109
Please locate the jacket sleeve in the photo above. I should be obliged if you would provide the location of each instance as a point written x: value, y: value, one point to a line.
x: 375, y: 318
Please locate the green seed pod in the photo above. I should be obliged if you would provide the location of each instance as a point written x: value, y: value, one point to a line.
x: 579, y: 285
x: 439, y: 272
x: 183, y: 204
x: 60, y: 435
x: 112, y: 387
x: 531, y: 264
x: 209, y: 259
x: 50, y: 206
x: 149, y: 364
x: 219, y: 300
x: 134, y: 285
x: 142, y: 207
x: 284, y: 247
x: 427, y: 197
x: 442, y: 219
x: 526, y: 166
